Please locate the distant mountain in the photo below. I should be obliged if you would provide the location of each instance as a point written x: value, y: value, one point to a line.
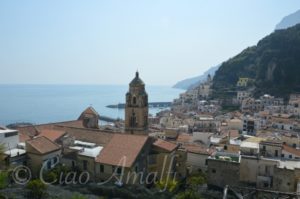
x: 194, y: 81
x: 189, y: 83
x: 289, y: 21
x: 273, y: 64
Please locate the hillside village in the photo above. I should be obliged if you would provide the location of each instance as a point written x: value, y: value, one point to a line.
x: 254, y: 149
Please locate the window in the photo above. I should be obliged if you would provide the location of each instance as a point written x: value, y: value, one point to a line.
x: 264, y: 148
x: 145, y: 120
x: 267, y: 170
x: 55, y: 160
x: 213, y: 171
x: 134, y: 100
x: 85, y: 164
x: 101, y: 168
x: 290, y: 156
x: 294, y: 145
x: 49, y: 164
x: 282, y: 155
x: 119, y: 170
x: 276, y: 153
x: 133, y: 122
x: 10, y: 134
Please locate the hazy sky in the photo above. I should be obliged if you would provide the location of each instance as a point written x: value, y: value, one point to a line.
x: 104, y: 42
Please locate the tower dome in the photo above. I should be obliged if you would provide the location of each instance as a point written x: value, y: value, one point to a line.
x: 137, y: 80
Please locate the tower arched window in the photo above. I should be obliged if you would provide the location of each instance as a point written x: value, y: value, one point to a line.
x: 145, y: 120
x: 134, y: 100
x: 133, y: 120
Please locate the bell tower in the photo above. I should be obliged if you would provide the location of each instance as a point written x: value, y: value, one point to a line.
x: 136, y: 109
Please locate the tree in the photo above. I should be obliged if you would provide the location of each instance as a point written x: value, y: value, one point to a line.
x: 37, y: 189
x: 188, y: 194
x: 196, y: 180
x: 3, y: 179
x: 78, y: 196
x: 167, y: 184
x: 192, y: 187
x: 2, y: 162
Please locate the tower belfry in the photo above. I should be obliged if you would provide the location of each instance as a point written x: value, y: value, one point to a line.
x: 136, y: 109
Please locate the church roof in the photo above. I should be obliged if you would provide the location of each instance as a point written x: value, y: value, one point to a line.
x: 122, y: 147
x: 137, y: 80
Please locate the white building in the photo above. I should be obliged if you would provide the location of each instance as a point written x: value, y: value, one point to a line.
x: 12, y: 149
x: 9, y: 138
x: 241, y: 95
x: 203, y: 137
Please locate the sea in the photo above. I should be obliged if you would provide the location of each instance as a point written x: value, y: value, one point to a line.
x: 38, y: 104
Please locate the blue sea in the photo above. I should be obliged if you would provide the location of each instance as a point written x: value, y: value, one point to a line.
x: 39, y: 104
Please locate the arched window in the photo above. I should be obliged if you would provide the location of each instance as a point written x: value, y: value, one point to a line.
x: 145, y: 120
x: 134, y: 100
x: 133, y: 120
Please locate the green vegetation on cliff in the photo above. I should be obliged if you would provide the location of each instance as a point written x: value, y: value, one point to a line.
x: 274, y: 64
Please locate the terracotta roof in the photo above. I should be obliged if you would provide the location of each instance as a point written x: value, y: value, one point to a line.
x: 168, y: 146
x: 232, y: 133
x: 193, y: 148
x: 27, y: 132
x: 43, y: 145
x: 89, y: 135
x: 52, y: 135
x: 23, y: 137
x: 34, y: 130
x: 184, y: 138
x: 291, y: 150
x: 73, y: 128
x: 73, y: 123
x: 122, y: 146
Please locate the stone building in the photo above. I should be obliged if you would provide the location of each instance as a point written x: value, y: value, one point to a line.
x: 223, y: 169
x: 286, y: 178
x: 294, y: 104
x: 124, y: 156
x: 136, y: 109
x: 42, y: 153
x: 241, y: 95
x: 270, y: 148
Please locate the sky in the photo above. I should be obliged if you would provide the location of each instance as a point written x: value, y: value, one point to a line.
x: 105, y: 42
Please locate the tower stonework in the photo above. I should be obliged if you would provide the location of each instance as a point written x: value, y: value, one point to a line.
x: 136, y: 109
